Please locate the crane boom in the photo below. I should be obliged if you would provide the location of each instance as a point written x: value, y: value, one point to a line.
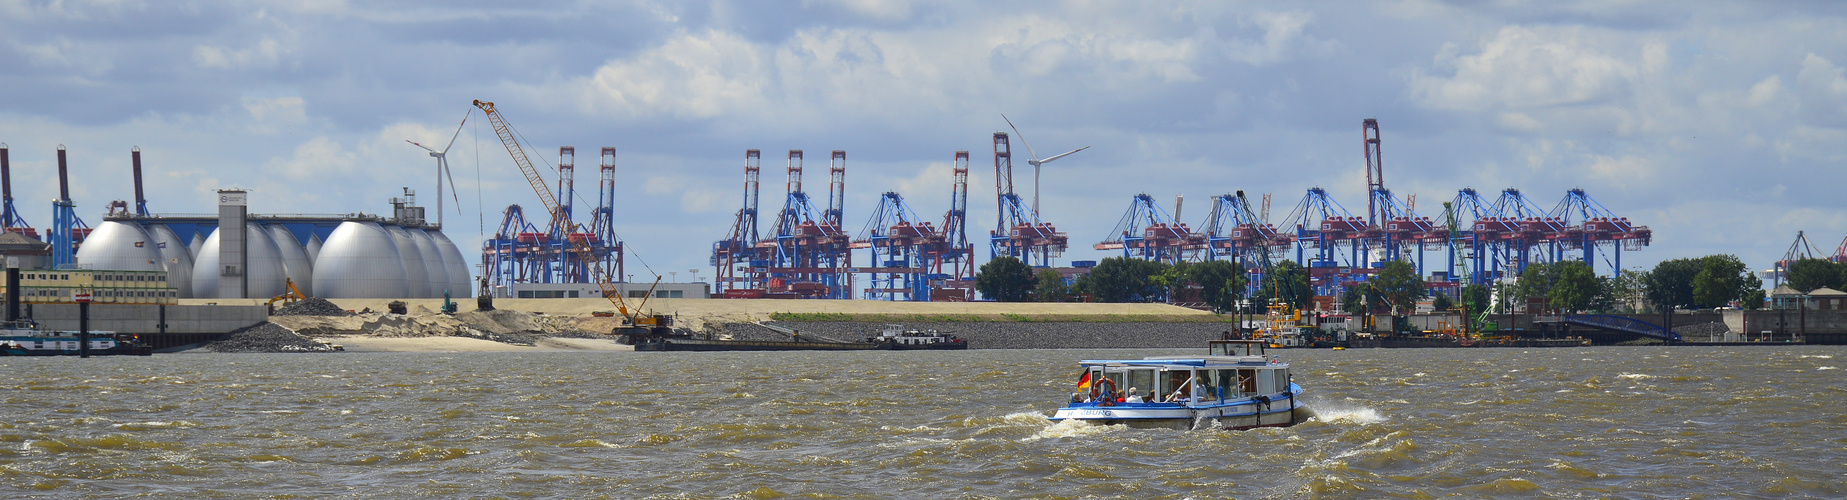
x: 561, y: 220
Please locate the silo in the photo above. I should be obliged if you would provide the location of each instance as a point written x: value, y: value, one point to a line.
x: 313, y: 247
x: 119, y: 246
x: 205, y: 267
x: 175, y: 257
x: 295, y: 262
x: 433, y: 267
x: 266, y: 268
x: 460, y: 284
x: 198, y: 242
x: 359, y: 261
x: 416, y: 277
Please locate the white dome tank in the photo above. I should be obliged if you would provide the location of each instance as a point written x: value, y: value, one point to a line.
x: 263, y: 273
x: 198, y: 243
x: 119, y: 246
x: 416, y: 277
x: 313, y: 247
x: 205, y: 267
x: 433, y: 267
x: 175, y: 257
x: 461, y: 286
x: 359, y: 261
x: 295, y: 262
x: 266, y: 274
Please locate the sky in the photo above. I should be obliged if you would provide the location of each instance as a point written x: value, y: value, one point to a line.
x: 1720, y: 125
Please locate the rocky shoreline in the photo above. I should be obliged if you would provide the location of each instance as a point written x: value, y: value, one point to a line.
x: 1011, y: 335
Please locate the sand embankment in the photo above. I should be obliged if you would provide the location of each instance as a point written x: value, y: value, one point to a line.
x: 697, y: 313
x: 571, y: 324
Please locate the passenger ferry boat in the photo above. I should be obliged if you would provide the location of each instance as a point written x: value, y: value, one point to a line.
x: 25, y: 338
x: 1234, y: 386
x: 897, y: 338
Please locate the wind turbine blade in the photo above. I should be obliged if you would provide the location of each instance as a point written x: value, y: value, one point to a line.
x: 425, y: 148
x: 1064, y: 154
x: 1016, y: 133
x: 458, y: 131
x: 452, y: 188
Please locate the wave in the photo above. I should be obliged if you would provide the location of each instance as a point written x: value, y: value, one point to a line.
x: 1348, y: 415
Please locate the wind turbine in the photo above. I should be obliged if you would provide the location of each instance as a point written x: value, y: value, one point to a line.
x: 442, y: 169
x: 1036, y: 160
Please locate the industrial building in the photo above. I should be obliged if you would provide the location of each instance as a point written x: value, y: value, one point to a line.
x: 233, y: 255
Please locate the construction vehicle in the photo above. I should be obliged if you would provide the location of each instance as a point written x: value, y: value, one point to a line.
x: 636, y: 326
x: 290, y: 295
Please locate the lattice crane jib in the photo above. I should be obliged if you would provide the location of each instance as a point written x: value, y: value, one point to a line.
x: 561, y: 219
x: 837, y: 189
x: 740, y: 244
x: 1375, y: 169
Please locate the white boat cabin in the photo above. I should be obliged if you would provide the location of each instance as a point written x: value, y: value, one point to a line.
x: 1232, y: 370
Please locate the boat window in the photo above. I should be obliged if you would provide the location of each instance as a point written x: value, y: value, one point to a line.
x: 1141, y: 380
x: 1247, y: 381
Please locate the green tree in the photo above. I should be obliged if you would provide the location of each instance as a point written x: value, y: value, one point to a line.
x: 1670, y: 284
x: 1399, y: 284
x: 1535, y: 281
x: 1441, y: 303
x: 1722, y: 279
x: 1628, y: 290
x: 1122, y: 279
x: 1220, y: 284
x: 1051, y: 287
x: 1806, y: 275
x: 1172, y: 279
x: 1475, y: 298
x: 1754, y: 300
x: 1353, y: 299
x: 1005, y: 279
x: 1576, y: 287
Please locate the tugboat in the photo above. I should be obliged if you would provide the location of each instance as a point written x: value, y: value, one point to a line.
x: 897, y: 338
x: 25, y: 338
x: 1234, y: 386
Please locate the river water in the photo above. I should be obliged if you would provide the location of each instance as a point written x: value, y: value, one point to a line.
x: 1624, y: 422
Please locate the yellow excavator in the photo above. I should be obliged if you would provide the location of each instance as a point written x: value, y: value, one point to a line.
x: 636, y: 326
x: 290, y: 295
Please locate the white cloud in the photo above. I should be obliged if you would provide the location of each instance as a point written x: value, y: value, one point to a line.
x: 271, y: 112
x: 265, y: 53
x: 887, y: 10
x: 1527, y: 67
x: 692, y: 75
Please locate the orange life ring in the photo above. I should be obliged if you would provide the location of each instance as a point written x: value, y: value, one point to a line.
x: 1103, y: 397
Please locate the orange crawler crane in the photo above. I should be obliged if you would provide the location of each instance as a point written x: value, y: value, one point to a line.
x: 636, y: 325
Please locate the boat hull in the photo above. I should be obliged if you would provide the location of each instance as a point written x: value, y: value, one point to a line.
x: 1278, y: 410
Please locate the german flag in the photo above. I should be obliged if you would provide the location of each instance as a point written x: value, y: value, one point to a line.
x: 1083, y: 382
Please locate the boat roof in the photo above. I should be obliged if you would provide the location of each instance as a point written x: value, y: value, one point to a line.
x: 1182, y: 361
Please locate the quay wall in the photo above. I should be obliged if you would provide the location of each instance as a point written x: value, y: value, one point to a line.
x: 145, y: 318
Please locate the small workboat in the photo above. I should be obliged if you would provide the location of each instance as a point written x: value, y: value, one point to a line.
x: 26, y: 338
x: 897, y: 338
x: 1234, y: 386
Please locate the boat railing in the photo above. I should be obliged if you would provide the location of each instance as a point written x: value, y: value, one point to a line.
x: 1235, y: 347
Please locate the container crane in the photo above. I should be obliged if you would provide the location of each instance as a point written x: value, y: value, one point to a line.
x: 635, y: 323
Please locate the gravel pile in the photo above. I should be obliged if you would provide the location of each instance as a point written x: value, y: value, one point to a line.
x: 1012, y: 335
x: 312, y: 307
x: 266, y: 337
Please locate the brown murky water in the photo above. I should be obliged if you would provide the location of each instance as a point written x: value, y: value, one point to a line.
x: 1627, y: 422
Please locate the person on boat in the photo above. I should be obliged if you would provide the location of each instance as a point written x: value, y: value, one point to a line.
x: 1134, y: 396
x: 1200, y: 392
x: 1078, y: 397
